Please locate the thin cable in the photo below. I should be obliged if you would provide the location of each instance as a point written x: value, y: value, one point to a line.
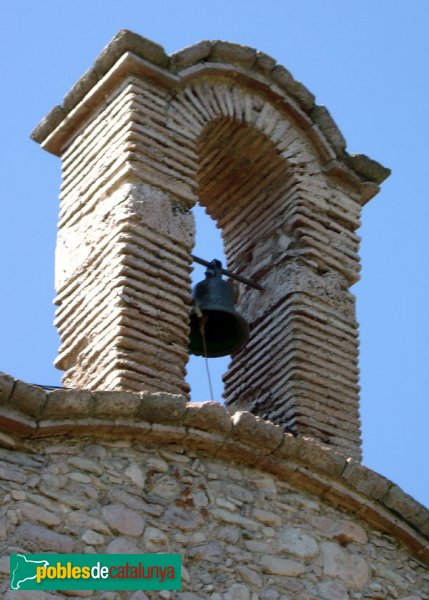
x: 49, y: 388
x: 203, y: 336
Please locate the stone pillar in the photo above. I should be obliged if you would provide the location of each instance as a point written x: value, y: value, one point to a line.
x: 291, y: 229
x: 123, y: 254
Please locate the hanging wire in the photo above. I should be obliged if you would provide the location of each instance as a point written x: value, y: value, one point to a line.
x: 202, y: 325
x: 203, y: 335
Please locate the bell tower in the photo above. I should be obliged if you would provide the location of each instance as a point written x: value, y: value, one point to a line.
x: 144, y: 136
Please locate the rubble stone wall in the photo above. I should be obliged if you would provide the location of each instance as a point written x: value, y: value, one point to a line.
x: 243, y: 535
x: 254, y: 512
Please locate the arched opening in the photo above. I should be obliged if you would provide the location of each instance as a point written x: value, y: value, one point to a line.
x: 243, y: 182
x: 208, y: 245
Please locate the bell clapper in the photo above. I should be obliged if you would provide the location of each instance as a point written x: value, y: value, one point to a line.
x: 198, y: 312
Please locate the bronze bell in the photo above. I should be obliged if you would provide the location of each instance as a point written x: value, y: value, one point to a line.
x: 214, y: 314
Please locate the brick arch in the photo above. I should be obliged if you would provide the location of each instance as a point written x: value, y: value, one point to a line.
x: 192, y: 112
x: 245, y: 151
x: 199, y: 103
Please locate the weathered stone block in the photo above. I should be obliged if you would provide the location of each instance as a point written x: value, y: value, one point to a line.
x: 234, y: 519
x: 139, y: 595
x: 162, y: 408
x: 309, y: 480
x: 208, y: 416
x: 281, y: 566
x: 123, y: 545
x: 48, y: 124
x: 332, y: 590
x: 237, y: 592
x: 368, y: 168
x: 205, y: 441
x: 155, y: 540
x: 232, y: 53
x: 288, y: 448
x: 211, y: 552
x: 326, y: 123
x: 267, y: 517
x: 67, y: 404
x: 55, y: 427
x: 44, y: 539
x: 15, y: 423
x: 318, y: 456
x: 28, y: 399
x: 123, y: 520
x: 116, y: 404
x: 82, y: 520
x: 256, y: 432
x: 93, y: 538
x: 344, y: 532
x: 88, y: 80
x: 159, y: 433
x: 365, y: 481
x: 297, y: 542
x: 404, y: 505
x: 38, y: 514
x: 11, y: 474
x: 351, y: 568
x: 284, y: 78
x: 3, y: 529
x: 125, y: 41
x: 85, y: 465
x: 7, y: 441
x: 250, y: 576
x: 264, y: 63
x: 183, y: 520
x: 6, y: 387
x: 190, y: 55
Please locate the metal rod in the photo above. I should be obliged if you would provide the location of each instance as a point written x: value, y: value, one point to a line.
x: 244, y: 280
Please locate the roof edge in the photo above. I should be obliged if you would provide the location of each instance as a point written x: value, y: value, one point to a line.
x: 29, y: 412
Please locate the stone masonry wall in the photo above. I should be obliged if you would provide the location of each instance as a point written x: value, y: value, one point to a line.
x: 255, y: 513
x: 243, y: 535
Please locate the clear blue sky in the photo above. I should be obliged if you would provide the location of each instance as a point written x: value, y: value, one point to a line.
x: 366, y: 61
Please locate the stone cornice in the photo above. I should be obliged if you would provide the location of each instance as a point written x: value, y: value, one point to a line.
x: 28, y: 413
x: 130, y: 54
